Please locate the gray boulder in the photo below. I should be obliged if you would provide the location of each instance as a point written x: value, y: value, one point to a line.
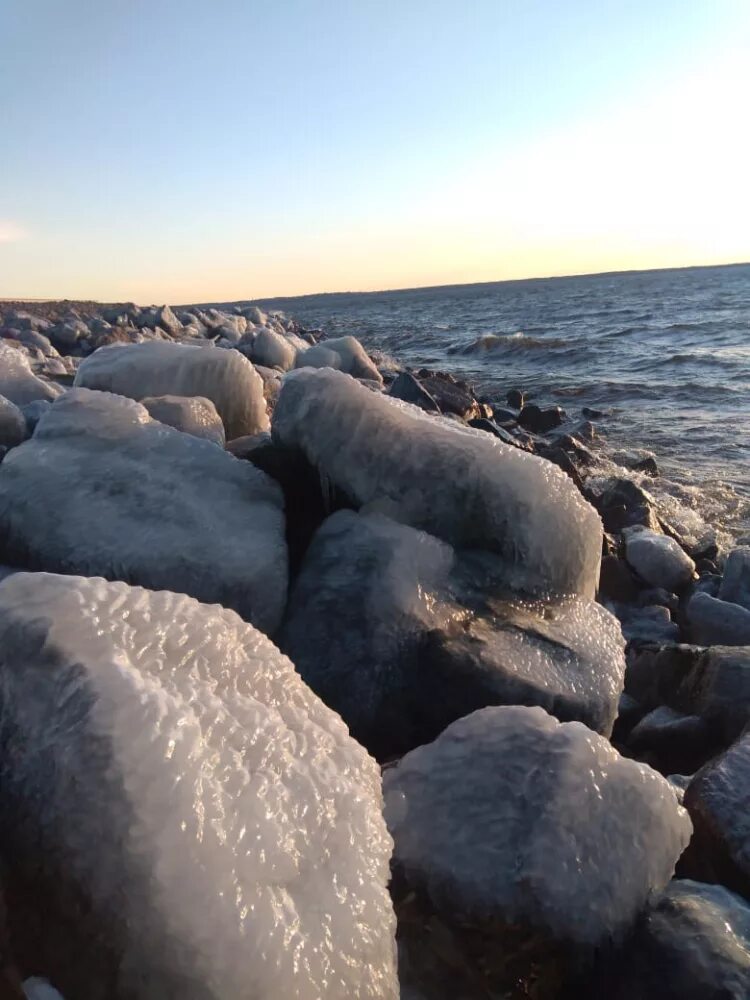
x: 13, y: 428
x: 101, y: 489
x: 518, y: 833
x: 430, y: 645
x: 407, y: 388
x: 713, y: 622
x: 735, y: 584
x: 658, y: 559
x: 693, y: 943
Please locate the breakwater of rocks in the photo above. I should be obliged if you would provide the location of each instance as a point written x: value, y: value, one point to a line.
x: 324, y: 677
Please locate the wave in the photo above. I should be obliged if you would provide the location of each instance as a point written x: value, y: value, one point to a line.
x: 508, y: 342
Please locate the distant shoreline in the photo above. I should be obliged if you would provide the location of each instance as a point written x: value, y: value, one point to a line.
x: 389, y: 291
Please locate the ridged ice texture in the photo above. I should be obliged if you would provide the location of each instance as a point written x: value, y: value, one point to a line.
x: 460, y: 484
x: 101, y: 489
x: 18, y: 383
x: 511, y: 815
x: 244, y: 854
x: 194, y: 415
x: 161, y: 368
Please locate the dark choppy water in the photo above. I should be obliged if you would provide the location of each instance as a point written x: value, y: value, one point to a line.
x: 667, y: 352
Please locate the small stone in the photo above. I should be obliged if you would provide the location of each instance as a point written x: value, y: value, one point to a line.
x: 539, y: 421
x: 515, y: 398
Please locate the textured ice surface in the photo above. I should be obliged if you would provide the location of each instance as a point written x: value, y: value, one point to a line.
x: 354, y: 358
x: 318, y: 356
x: 13, y: 428
x: 272, y: 350
x: 161, y: 368
x: 718, y: 799
x: 460, y: 484
x: 223, y: 831
x: 101, y: 489
x: 694, y: 944
x: 657, y: 559
x: 400, y: 635
x: 194, y: 415
x: 511, y: 815
x: 18, y: 383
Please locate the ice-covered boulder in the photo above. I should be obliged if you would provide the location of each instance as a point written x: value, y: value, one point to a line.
x: 692, y: 944
x: 160, y: 368
x: 13, y: 428
x: 430, y: 645
x: 194, y: 415
x: 735, y: 584
x: 658, y: 559
x: 354, y: 358
x: 101, y: 489
x: 512, y: 816
x: 718, y: 799
x: 185, y: 818
x: 272, y: 350
x: 459, y: 484
x: 318, y: 356
x: 18, y: 383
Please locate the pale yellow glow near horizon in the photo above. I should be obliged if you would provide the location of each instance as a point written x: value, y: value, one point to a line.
x: 658, y: 182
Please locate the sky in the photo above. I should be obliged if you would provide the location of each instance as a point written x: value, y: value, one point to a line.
x: 178, y: 151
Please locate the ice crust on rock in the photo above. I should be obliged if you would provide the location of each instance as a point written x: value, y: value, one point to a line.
x: 512, y: 816
x: 735, y: 584
x: 272, y: 350
x: 18, y: 383
x: 713, y: 622
x: 161, y: 368
x: 13, y: 428
x: 194, y: 415
x: 402, y: 635
x: 693, y: 944
x: 459, y: 484
x: 658, y: 559
x: 101, y: 489
x: 164, y: 763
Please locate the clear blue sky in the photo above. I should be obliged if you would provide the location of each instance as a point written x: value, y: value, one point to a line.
x: 183, y: 150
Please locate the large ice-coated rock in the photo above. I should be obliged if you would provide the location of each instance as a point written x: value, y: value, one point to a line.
x: 162, y: 368
x: 18, y: 383
x: 692, y: 944
x: 512, y: 816
x: 402, y: 635
x: 351, y: 355
x: 13, y: 428
x: 186, y: 818
x: 715, y: 622
x: 718, y: 799
x: 272, y: 350
x: 460, y: 484
x: 194, y: 415
x: 101, y: 489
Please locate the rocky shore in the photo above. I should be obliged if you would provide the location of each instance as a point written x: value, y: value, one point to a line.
x: 221, y: 534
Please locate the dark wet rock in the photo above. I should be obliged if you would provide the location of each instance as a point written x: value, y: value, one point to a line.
x: 433, y: 638
x: 735, y: 586
x: 451, y: 395
x: 503, y: 416
x: 563, y: 460
x: 629, y: 713
x: 704, y: 550
x: 713, y: 622
x: 693, y: 943
x: 482, y: 424
x: 706, y: 567
x: 406, y: 387
x: 515, y: 399
x: 651, y: 624
x: 672, y: 742
x: 531, y: 842
x: 718, y: 800
x: 646, y: 465
x: 575, y: 448
x: 616, y: 581
x: 713, y: 683
x: 540, y: 421
x: 708, y: 584
x: 591, y: 414
x: 659, y: 596
x: 623, y: 504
